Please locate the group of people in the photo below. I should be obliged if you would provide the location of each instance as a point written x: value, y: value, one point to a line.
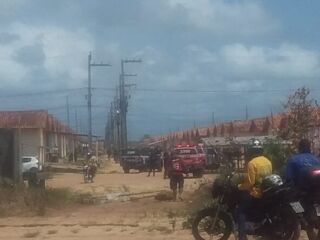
x: 260, y: 167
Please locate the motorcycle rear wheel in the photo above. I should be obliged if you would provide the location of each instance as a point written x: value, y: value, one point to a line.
x: 312, y: 233
x: 285, y: 225
x: 203, y: 229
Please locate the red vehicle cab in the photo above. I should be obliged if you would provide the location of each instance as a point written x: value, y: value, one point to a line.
x: 193, y: 158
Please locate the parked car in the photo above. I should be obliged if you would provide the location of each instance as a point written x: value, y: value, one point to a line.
x: 30, y: 166
x: 193, y: 158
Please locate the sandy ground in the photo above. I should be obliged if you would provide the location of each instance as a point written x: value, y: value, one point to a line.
x: 141, y: 219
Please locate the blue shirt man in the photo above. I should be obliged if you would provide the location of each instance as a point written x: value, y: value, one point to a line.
x: 300, y: 162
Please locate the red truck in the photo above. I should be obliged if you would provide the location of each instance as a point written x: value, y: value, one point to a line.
x: 193, y: 158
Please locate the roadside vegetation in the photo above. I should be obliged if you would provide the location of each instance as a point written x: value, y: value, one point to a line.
x: 23, y: 201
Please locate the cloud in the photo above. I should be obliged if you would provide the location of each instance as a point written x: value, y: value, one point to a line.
x: 30, y: 55
x: 286, y: 61
x: 244, y: 18
x: 6, y: 38
x: 60, y: 54
x: 9, y: 7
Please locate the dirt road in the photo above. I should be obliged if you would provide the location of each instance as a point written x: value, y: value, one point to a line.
x: 141, y: 219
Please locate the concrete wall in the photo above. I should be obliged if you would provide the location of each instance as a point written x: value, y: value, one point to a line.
x: 30, y: 142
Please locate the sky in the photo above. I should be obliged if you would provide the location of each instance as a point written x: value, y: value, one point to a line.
x: 199, y: 58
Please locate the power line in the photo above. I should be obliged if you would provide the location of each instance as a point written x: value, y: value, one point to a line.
x: 41, y: 93
x: 48, y: 92
x: 204, y: 91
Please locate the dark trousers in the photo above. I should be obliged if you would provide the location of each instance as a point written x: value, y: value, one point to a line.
x: 246, y: 202
x: 165, y: 172
x: 153, y: 170
x: 176, y: 183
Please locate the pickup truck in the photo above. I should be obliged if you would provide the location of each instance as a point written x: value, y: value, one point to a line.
x: 133, y: 159
x: 193, y: 159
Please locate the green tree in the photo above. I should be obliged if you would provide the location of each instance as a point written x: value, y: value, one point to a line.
x: 300, y: 116
x: 277, y: 153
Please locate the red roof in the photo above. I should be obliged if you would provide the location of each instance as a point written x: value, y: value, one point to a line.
x: 32, y: 119
x: 251, y: 127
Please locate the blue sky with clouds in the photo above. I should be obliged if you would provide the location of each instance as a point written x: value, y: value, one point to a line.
x: 233, y: 46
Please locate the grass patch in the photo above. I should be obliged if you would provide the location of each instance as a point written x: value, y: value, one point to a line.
x: 51, y: 232
x: 31, y: 234
x: 75, y: 231
x: 59, y: 196
x: 162, y: 229
x: 125, y: 188
x: 23, y: 201
x: 164, y: 196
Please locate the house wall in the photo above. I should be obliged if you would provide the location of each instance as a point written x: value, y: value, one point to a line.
x: 30, y: 142
x: 62, y: 145
x: 7, y: 154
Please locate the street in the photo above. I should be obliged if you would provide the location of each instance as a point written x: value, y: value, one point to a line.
x: 141, y: 218
x: 111, y: 217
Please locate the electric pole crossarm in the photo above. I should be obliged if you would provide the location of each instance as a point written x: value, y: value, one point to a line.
x: 130, y: 85
x: 100, y: 65
x: 90, y: 95
x: 130, y: 75
x: 131, y: 61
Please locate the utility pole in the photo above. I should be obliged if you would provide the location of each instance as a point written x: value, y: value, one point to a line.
x: 68, y: 113
x: 80, y: 126
x: 116, y: 116
x: 272, y: 122
x: 90, y: 95
x: 213, y: 119
x: 76, y: 120
x: 247, y: 113
x: 112, y: 125
x: 124, y: 101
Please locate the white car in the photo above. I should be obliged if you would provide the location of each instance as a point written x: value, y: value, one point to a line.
x: 30, y: 164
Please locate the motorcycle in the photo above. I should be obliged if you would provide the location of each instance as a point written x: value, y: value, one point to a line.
x: 274, y: 217
x: 309, y: 197
x: 88, y: 173
x: 310, y: 221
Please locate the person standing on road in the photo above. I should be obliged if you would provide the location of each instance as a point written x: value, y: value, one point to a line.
x: 166, y: 159
x: 175, y: 173
x: 152, y: 162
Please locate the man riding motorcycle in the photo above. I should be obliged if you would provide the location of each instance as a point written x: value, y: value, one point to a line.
x: 300, y: 172
x: 299, y: 163
x: 90, y: 167
x: 257, y: 169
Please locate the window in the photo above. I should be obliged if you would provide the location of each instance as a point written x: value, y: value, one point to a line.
x: 26, y: 160
x: 186, y: 151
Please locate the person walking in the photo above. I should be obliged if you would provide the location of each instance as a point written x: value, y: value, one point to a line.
x: 166, y: 160
x: 175, y: 173
x: 152, y: 162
